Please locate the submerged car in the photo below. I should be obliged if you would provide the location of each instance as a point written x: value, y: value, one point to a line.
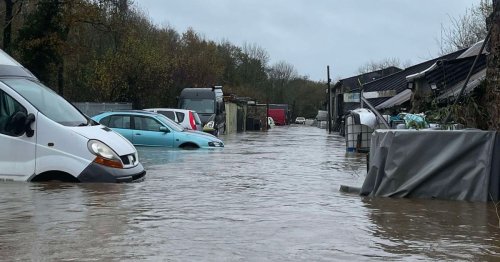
x: 144, y: 128
x: 187, y: 118
x: 270, y: 122
x: 300, y: 120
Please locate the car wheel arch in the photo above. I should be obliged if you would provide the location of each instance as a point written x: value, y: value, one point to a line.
x: 54, y: 175
x: 189, y: 145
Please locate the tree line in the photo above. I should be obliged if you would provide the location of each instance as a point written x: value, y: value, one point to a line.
x: 110, y: 51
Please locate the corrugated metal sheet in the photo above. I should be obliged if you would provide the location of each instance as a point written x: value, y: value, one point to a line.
x: 396, y: 100
x: 398, y: 82
x: 454, y: 90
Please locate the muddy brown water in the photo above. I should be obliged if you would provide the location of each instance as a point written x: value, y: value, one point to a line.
x: 265, y: 197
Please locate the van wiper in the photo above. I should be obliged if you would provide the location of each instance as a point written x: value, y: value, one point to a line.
x: 84, y: 124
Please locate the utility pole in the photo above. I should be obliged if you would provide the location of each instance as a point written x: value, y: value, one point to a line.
x: 329, y: 100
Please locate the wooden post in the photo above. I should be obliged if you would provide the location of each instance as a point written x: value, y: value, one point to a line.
x: 329, y: 100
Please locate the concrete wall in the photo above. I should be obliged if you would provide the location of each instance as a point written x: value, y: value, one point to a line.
x: 231, y: 118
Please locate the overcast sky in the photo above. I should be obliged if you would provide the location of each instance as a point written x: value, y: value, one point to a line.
x: 311, y: 34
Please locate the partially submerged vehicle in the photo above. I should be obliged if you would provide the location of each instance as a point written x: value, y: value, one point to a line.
x: 209, y: 104
x: 187, y: 118
x: 300, y: 120
x: 145, y: 128
x: 43, y: 137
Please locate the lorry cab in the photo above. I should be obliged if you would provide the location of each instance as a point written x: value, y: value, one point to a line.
x: 43, y: 137
x: 209, y: 104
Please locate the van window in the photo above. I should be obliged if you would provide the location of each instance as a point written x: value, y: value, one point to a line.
x: 170, y: 123
x: 168, y: 114
x: 180, y: 116
x: 8, y: 107
x: 197, y: 118
x: 47, y: 102
x: 201, y: 106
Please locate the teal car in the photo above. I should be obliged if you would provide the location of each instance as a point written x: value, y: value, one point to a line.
x: 144, y: 128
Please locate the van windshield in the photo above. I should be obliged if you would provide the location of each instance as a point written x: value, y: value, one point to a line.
x: 201, y: 106
x: 47, y: 102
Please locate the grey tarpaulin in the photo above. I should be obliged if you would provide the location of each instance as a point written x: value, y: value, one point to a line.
x: 456, y: 165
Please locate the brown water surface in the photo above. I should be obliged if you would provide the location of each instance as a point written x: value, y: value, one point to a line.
x: 265, y: 197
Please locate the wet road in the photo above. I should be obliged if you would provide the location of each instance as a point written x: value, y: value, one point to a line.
x: 264, y: 197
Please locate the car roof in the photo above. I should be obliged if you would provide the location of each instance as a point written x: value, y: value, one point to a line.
x: 135, y: 112
x: 171, y: 109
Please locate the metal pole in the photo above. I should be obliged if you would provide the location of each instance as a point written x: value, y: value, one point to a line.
x: 360, y: 94
x: 329, y: 100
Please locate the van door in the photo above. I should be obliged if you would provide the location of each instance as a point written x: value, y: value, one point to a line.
x: 147, y: 133
x: 17, y: 153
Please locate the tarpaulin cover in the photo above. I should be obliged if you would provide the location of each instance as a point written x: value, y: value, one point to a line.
x: 455, y: 165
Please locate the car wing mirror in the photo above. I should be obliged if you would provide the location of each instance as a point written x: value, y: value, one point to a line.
x: 164, y: 129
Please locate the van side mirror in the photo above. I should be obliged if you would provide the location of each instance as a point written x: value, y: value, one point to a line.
x: 29, y: 119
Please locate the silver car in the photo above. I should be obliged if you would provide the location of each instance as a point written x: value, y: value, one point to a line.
x: 300, y: 120
x: 186, y: 118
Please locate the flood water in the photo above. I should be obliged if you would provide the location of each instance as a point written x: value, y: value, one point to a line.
x: 266, y: 196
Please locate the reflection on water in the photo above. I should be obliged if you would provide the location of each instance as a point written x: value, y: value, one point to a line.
x: 264, y: 197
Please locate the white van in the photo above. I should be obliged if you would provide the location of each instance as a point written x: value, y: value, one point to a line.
x: 43, y: 137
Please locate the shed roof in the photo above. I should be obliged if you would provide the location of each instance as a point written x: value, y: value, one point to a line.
x: 352, y: 83
x: 397, y: 81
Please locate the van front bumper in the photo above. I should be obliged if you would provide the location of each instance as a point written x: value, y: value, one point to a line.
x: 103, y: 174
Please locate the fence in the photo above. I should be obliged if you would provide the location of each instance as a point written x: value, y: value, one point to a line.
x: 92, y: 109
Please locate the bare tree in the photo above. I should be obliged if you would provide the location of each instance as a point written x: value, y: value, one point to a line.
x: 383, y: 64
x: 283, y: 72
x: 467, y: 29
x: 280, y: 75
x: 253, y: 51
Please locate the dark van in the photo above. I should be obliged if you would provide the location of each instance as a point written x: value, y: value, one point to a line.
x: 209, y: 104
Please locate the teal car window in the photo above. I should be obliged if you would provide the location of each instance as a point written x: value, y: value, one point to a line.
x: 168, y: 114
x: 169, y: 123
x: 119, y: 122
x: 146, y: 123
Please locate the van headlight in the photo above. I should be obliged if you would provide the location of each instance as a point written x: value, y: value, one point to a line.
x: 104, y: 154
x: 209, y: 125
